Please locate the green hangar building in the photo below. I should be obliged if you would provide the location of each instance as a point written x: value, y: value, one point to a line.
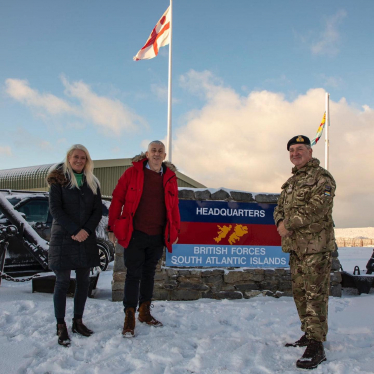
x: 33, y: 178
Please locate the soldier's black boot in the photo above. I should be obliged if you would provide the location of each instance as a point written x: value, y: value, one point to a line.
x: 302, y: 342
x: 313, y: 355
x: 63, y: 336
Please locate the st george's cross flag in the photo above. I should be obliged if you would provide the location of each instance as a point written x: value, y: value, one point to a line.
x: 160, y: 36
x: 319, y: 131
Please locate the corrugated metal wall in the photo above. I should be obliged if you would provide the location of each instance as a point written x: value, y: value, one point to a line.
x: 108, y: 178
x: 33, y: 178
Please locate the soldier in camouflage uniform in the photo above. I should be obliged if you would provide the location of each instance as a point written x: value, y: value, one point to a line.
x: 304, y: 221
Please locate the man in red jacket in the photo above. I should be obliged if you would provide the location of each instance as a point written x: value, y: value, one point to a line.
x: 144, y: 217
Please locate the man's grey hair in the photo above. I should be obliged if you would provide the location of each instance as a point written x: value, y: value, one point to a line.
x: 159, y: 142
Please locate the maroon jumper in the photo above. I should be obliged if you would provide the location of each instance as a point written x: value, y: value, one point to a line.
x: 150, y: 216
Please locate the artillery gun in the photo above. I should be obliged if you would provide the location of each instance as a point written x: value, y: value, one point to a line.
x: 370, y: 264
x: 363, y: 282
x: 32, y: 242
x: 5, y: 233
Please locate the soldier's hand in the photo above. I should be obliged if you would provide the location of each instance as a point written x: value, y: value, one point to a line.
x: 112, y: 237
x: 282, y: 231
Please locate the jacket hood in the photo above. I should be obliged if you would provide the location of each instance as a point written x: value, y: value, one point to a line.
x: 142, y: 157
x: 57, y: 176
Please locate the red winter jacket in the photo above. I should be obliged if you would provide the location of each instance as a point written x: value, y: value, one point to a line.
x: 126, y: 198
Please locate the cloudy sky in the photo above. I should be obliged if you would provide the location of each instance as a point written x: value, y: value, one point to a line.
x: 247, y: 76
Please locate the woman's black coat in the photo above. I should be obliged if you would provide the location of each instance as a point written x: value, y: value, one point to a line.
x: 72, y: 209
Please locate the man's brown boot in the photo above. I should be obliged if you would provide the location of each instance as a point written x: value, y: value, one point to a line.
x: 145, y: 315
x: 129, y: 325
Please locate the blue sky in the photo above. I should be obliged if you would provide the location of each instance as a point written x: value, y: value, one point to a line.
x: 247, y: 76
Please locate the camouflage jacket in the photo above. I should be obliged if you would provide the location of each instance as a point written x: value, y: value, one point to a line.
x: 305, y: 207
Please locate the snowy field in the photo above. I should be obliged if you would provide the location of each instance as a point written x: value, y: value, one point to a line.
x: 351, y: 256
x: 205, y: 336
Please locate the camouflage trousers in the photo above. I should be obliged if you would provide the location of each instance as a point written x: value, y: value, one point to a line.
x: 310, y: 274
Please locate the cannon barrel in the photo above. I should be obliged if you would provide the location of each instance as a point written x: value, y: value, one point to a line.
x: 370, y: 265
x: 36, y: 245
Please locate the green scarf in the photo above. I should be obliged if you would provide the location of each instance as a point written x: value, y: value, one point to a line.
x: 79, y: 178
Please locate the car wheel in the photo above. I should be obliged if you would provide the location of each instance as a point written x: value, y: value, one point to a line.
x: 104, y: 258
x: 108, y: 245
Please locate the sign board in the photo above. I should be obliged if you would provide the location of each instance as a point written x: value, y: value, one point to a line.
x: 227, y: 234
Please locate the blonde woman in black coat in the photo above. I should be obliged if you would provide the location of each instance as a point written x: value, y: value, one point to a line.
x: 76, y: 207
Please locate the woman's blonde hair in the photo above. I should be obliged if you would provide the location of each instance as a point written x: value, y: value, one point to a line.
x: 92, y: 181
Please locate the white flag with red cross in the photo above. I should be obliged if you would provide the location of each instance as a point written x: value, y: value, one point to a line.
x: 160, y: 36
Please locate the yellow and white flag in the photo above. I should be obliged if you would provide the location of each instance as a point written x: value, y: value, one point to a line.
x: 319, y: 131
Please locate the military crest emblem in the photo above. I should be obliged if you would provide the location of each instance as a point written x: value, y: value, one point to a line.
x: 300, y: 139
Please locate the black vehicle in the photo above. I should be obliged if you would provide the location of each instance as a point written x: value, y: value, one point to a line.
x: 34, y: 207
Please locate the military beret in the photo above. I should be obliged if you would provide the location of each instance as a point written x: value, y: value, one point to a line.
x: 298, y: 139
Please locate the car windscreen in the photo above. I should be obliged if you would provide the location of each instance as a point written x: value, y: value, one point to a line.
x: 35, y: 210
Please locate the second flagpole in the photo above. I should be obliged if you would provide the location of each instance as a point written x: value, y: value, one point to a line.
x: 169, y: 132
x: 327, y: 125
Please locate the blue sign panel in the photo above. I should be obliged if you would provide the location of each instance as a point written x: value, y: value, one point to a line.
x: 227, y: 256
x: 227, y: 234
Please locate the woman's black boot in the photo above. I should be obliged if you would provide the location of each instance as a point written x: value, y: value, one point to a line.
x: 80, y: 328
x: 63, y: 336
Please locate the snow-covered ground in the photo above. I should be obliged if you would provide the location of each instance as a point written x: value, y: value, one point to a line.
x: 351, y: 256
x: 204, y: 336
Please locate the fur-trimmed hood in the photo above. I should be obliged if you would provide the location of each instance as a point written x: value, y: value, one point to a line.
x: 57, y: 176
x: 142, y: 156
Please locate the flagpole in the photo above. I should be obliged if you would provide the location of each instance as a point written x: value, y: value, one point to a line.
x: 327, y: 125
x: 169, y: 134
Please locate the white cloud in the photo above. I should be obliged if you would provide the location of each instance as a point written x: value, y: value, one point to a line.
x: 327, y: 42
x: 240, y: 142
x: 6, y: 151
x: 20, y: 90
x: 110, y: 116
x: 203, y: 84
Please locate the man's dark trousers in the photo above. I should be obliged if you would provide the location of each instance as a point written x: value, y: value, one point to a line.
x: 141, y: 258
